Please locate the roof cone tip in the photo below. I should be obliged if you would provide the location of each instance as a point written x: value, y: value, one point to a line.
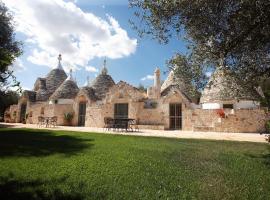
x: 59, y: 62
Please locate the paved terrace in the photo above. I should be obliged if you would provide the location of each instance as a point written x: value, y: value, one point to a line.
x: 249, y: 137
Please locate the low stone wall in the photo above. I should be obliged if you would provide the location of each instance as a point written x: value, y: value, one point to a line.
x: 152, y: 127
x: 242, y: 120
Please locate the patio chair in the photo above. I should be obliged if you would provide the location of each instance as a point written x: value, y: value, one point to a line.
x: 53, y: 121
x: 41, y: 121
x: 120, y: 124
x: 108, y: 123
x: 134, y: 125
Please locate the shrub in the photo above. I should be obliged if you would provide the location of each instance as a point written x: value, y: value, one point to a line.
x: 267, y: 126
x: 68, y: 116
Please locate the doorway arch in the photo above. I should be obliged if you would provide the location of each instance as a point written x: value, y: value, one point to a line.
x: 22, y: 112
x: 81, y: 111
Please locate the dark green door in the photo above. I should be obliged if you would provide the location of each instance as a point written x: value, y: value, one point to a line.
x: 121, y: 110
x: 82, y: 112
x: 23, y: 111
x: 176, y: 116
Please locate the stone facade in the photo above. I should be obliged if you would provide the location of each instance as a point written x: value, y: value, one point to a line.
x: 161, y: 107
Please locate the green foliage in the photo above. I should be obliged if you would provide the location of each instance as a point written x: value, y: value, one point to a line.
x: 74, y: 165
x: 231, y: 33
x: 7, y: 98
x: 267, y: 126
x: 10, y: 49
x: 190, y: 75
x: 266, y: 100
x: 265, y: 85
x: 142, y: 88
x: 68, y: 116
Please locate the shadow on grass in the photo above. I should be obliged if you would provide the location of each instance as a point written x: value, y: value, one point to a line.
x: 16, y: 142
x: 264, y: 157
x: 12, y: 189
x: 6, y: 125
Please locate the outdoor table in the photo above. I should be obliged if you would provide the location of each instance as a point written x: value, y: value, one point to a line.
x: 122, y: 123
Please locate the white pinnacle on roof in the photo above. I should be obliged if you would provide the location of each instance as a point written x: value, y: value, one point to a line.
x: 70, y: 76
x: 104, y: 69
x: 87, y: 83
x: 59, y: 66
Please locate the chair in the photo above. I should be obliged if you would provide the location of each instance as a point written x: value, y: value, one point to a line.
x: 41, y: 121
x: 134, y: 125
x: 108, y: 123
x: 53, y: 121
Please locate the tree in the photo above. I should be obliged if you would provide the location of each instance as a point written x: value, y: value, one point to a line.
x: 142, y: 88
x: 7, y: 98
x: 229, y: 33
x: 10, y: 49
x: 265, y: 85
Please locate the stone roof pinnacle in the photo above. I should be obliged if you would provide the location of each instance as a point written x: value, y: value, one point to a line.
x: 59, y: 66
x: 104, y: 69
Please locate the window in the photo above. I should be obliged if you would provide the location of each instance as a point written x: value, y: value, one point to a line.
x: 229, y: 106
x: 149, y: 104
x: 121, y: 110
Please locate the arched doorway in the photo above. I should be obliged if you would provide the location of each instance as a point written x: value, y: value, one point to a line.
x: 82, y: 113
x: 175, y: 116
x: 22, y: 112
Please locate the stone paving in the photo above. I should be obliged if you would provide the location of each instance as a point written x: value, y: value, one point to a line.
x: 249, y: 137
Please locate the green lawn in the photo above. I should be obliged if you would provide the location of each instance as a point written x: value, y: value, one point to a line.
x: 38, y: 164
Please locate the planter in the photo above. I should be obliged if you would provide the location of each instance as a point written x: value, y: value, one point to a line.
x: 67, y: 123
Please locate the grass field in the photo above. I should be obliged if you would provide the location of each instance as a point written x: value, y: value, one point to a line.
x: 38, y: 164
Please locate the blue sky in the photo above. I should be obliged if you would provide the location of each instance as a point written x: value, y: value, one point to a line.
x: 131, y: 65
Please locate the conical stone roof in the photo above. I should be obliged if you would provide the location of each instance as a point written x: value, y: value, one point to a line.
x: 102, y: 83
x: 42, y: 94
x: 223, y: 87
x: 173, y: 82
x: 169, y: 81
x: 89, y: 91
x: 55, y: 77
x: 67, y: 90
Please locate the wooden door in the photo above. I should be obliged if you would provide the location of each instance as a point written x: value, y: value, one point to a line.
x: 82, y: 113
x: 23, y: 112
x: 176, y: 116
x: 121, y: 110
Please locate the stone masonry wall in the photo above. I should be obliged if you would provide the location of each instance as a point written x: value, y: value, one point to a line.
x: 242, y: 120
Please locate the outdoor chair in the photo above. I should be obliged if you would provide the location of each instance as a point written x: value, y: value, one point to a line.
x: 53, y: 121
x: 134, y: 125
x: 108, y: 123
x: 41, y: 121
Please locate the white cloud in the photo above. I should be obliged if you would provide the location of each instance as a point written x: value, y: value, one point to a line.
x: 148, y: 77
x: 17, y: 66
x: 208, y: 74
x: 91, y: 69
x: 56, y: 26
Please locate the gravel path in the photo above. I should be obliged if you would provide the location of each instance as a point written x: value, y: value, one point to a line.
x: 249, y: 137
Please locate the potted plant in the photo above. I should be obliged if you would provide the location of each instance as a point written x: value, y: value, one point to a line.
x: 68, y: 118
x: 7, y: 117
x: 14, y: 116
x: 23, y: 120
x: 267, y: 129
x: 221, y: 113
